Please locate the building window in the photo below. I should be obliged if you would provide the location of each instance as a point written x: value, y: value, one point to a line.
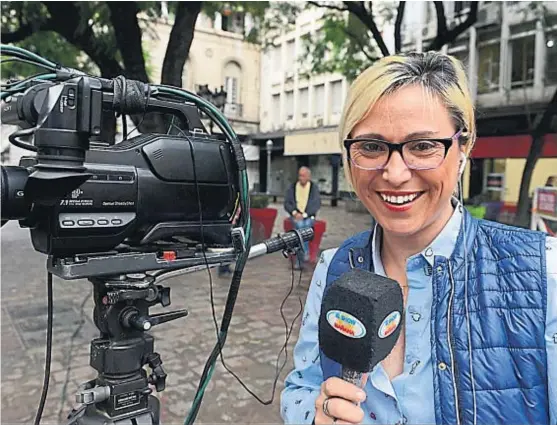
x: 463, y: 56
x: 233, y: 23
x: 231, y: 87
x: 488, y: 67
x: 303, y: 102
x: 319, y: 101
x: 290, y: 56
x: 304, y: 55
x: 336, y: 97
x: 232, y: 80
x: 429, y: 10
x: 461, y: 7
x: 275, y: 105
x: 289, y: 107
x: 460, y: 50
x: 551, y: 58
x: 276, y: 58
x: 522, y: 53
x: 522, y: 48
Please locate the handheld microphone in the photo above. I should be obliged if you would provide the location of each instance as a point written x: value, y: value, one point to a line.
x: 360, y: 322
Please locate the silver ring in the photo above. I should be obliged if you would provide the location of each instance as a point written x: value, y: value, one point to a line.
x: 326, y: 408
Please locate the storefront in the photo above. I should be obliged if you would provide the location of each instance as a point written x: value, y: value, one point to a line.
x: 497, y: 165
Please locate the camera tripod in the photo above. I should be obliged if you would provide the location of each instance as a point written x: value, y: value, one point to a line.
x: 120, y: 394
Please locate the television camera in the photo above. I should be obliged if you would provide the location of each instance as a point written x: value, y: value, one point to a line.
x: 126, y: 216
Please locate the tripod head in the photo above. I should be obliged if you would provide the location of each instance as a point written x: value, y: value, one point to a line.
x: 121, y: 389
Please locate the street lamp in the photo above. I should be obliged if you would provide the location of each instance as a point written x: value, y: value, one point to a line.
x: 217, y: 98
x: 269, y: 146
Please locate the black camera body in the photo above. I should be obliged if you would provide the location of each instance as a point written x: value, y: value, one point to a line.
x: 141, y: 191
x: 80, y: 195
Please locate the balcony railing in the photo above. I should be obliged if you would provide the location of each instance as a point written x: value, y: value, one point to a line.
x: 233, y: 110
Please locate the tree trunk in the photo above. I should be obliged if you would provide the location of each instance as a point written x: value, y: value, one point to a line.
x: 398, y: 25
x: 522, y: 212
x: 123, y: 16
x: 179, y: 43
x: 543, y: 127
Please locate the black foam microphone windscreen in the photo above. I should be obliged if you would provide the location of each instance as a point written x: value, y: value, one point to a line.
x: 361, y: 320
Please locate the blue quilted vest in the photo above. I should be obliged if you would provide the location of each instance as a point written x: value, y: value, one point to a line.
x: 507, y: 312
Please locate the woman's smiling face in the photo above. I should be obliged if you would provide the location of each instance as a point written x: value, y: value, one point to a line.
x: 407, y: 114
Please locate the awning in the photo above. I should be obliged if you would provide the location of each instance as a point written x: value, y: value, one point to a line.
x: 251, y: 152
x: 516, y: 146
x: 320, y: 143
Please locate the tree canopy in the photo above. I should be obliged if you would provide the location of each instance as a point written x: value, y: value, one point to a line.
x: 106, y: 36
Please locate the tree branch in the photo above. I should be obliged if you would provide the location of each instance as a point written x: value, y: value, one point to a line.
x: 328, y: 6
x: 441, y: 19
x: 536, y: 148
x: 26, y: 29
x: 65, y: 20
x: 359, y: 42
x: 359, y: 10
x: 179, y: 43
x: 123, y: 16
x: 398, y: 25
x: 449, y: 36
x: 550, y: 111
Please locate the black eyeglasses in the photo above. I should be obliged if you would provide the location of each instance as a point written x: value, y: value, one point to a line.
x: 420, y: 154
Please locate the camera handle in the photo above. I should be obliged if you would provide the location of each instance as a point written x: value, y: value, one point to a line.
x: 121, y: 394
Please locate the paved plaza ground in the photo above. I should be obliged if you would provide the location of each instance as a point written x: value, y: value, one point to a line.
x: 255, y: 337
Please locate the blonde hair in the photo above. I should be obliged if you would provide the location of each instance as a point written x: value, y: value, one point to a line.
x: 439, y: 74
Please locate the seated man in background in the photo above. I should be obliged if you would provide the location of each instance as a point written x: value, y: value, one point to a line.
x: 301, y: 202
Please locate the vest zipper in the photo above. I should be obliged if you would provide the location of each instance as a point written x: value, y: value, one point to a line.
x: 450, y: 337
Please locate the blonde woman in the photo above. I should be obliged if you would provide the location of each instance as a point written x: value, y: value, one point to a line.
x: 479, y: 344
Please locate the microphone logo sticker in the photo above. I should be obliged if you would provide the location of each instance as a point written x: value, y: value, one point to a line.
x: 389, y: 324
x: 346, y: 324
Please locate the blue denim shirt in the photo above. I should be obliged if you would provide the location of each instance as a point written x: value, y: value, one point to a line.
x: 408, y: 398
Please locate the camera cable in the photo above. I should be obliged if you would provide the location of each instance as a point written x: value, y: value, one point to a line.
x: 48, y: 349
x: 221, y: 336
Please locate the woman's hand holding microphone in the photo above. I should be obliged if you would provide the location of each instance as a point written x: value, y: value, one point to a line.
x: 339, y: 403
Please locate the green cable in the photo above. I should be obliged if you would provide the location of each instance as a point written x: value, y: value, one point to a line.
x: 203, y: 102
x: 30, y: 55
x: 200, y: 394
x: 22, y: 86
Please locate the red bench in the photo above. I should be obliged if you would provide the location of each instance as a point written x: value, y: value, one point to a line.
x: 319, y: 227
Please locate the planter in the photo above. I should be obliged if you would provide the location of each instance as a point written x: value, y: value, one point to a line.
x: 262, y: 223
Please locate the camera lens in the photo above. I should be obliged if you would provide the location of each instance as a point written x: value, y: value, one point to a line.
x: 14, y: 205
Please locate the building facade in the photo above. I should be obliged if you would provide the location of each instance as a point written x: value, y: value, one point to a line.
x: 510, y: 55
x: 220, y: 58
x: 299, y: 113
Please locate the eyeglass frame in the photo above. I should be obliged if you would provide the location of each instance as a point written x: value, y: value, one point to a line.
x: 447, y: 142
